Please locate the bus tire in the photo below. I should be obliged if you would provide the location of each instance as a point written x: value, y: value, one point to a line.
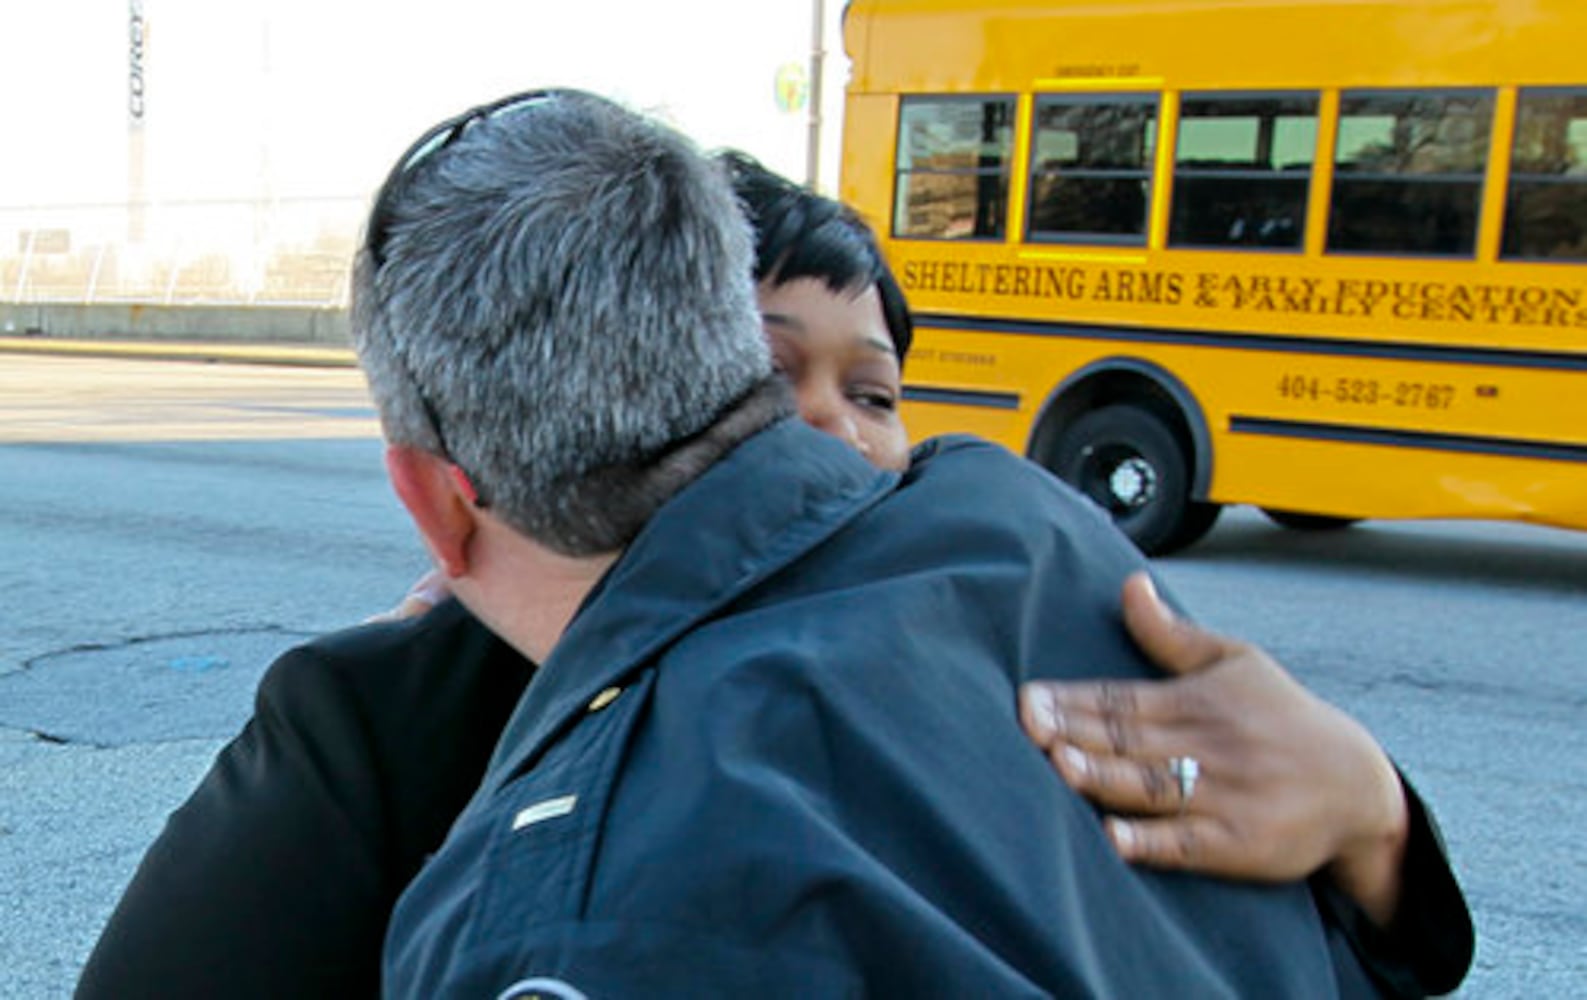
x: 1130, y: 462
x: 1297, y: 521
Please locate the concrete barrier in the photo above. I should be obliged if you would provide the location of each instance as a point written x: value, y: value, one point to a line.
x: 153, y: 323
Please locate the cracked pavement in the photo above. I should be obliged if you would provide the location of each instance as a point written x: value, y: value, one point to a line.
x: 165, y: 528
x: 170, y: 686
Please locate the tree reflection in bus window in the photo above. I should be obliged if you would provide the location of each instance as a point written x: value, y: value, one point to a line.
x: 953, y: 163
x: 1091, y: 164
x: 1242, y: 171
x: 1545, y: 215
x: 1408, y: 171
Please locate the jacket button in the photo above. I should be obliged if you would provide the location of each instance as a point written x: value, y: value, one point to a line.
x: 605, y: 698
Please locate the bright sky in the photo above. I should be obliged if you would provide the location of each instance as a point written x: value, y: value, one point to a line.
x: 317, y: 97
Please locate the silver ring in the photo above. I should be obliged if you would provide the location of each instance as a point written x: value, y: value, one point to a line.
x: 1186, y: 770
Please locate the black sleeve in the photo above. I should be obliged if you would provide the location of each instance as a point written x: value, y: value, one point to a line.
x: 1428, y: 948
x: 289, y: 803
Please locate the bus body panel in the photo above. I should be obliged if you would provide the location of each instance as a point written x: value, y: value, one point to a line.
x: 929, y: 46
x: 1271, y: 422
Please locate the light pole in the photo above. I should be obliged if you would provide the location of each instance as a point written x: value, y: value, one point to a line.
x: 817, y: 57
x: 137, y: 37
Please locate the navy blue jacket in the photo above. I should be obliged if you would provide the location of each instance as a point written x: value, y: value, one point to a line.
x: 717, y: 783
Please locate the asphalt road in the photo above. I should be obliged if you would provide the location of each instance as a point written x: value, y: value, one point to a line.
x: 167, y: 527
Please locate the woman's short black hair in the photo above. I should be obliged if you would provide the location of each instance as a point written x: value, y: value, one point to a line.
x: 801, y: 234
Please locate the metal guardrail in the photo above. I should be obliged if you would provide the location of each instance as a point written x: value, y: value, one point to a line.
x: 282, y: 252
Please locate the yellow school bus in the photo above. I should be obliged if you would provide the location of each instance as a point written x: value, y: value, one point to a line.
x: 1326, y: 257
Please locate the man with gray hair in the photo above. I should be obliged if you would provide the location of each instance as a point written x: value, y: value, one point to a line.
x: 557, y: 365
x: 771, y: 748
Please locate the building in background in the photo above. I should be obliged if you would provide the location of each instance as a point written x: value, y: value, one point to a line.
x: 185, y: 152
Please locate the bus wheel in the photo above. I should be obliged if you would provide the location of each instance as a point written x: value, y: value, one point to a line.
x: 1130, y: 462
x: 1307, y: 522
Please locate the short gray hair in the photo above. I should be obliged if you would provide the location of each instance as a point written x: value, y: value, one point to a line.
x: 552, y: 296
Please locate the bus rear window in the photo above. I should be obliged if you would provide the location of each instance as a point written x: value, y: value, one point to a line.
x: 1242, y: 171
x: 1545, y: 216
x: 953, y: 167
x: 1408, y: 172
x: 1091, y: 168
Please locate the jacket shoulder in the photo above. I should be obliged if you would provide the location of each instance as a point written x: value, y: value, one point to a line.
x: 384, y: 661
x: 966, y: 462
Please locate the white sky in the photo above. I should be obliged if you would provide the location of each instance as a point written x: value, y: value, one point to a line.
x: 317, y: 97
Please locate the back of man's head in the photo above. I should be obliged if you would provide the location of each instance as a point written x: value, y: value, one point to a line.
x: 554, y: 293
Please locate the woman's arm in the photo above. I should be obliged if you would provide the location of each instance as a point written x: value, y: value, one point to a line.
x: 278, y: 875
x: 1288, y: 786
x: 269, y: 880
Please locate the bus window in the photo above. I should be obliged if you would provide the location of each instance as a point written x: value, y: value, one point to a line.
x: 1408, y: 172
x: 953, y: 162
x: 1091, y: 168
x: 1545, y: 216
x: 1242, y: 169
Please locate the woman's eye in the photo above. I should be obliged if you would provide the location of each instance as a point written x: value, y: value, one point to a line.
x: 874, y: 399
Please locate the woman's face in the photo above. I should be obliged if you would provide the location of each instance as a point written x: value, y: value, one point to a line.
x: 834, y: 348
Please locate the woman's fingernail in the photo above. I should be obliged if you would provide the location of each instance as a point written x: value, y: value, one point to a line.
x: 1044, y: 711
x: 1158, y: 604
x: 1123, y: 835
x: 1076, y: 761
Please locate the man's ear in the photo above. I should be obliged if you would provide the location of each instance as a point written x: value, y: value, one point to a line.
x: 426, y: 485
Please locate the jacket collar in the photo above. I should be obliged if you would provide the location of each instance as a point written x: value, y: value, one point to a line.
x: 771, y: 499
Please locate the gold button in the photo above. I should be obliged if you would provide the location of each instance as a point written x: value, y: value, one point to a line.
x: 605, y: 698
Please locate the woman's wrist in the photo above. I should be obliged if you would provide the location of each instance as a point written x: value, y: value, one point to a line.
x: 1369, y: 866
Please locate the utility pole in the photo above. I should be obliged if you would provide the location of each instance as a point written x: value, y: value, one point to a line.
x: 137, y: 48
x: 817, y: 58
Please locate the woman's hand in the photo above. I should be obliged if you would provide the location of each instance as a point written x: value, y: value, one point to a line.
x: 427, y: 591
x: 1285, y: 782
